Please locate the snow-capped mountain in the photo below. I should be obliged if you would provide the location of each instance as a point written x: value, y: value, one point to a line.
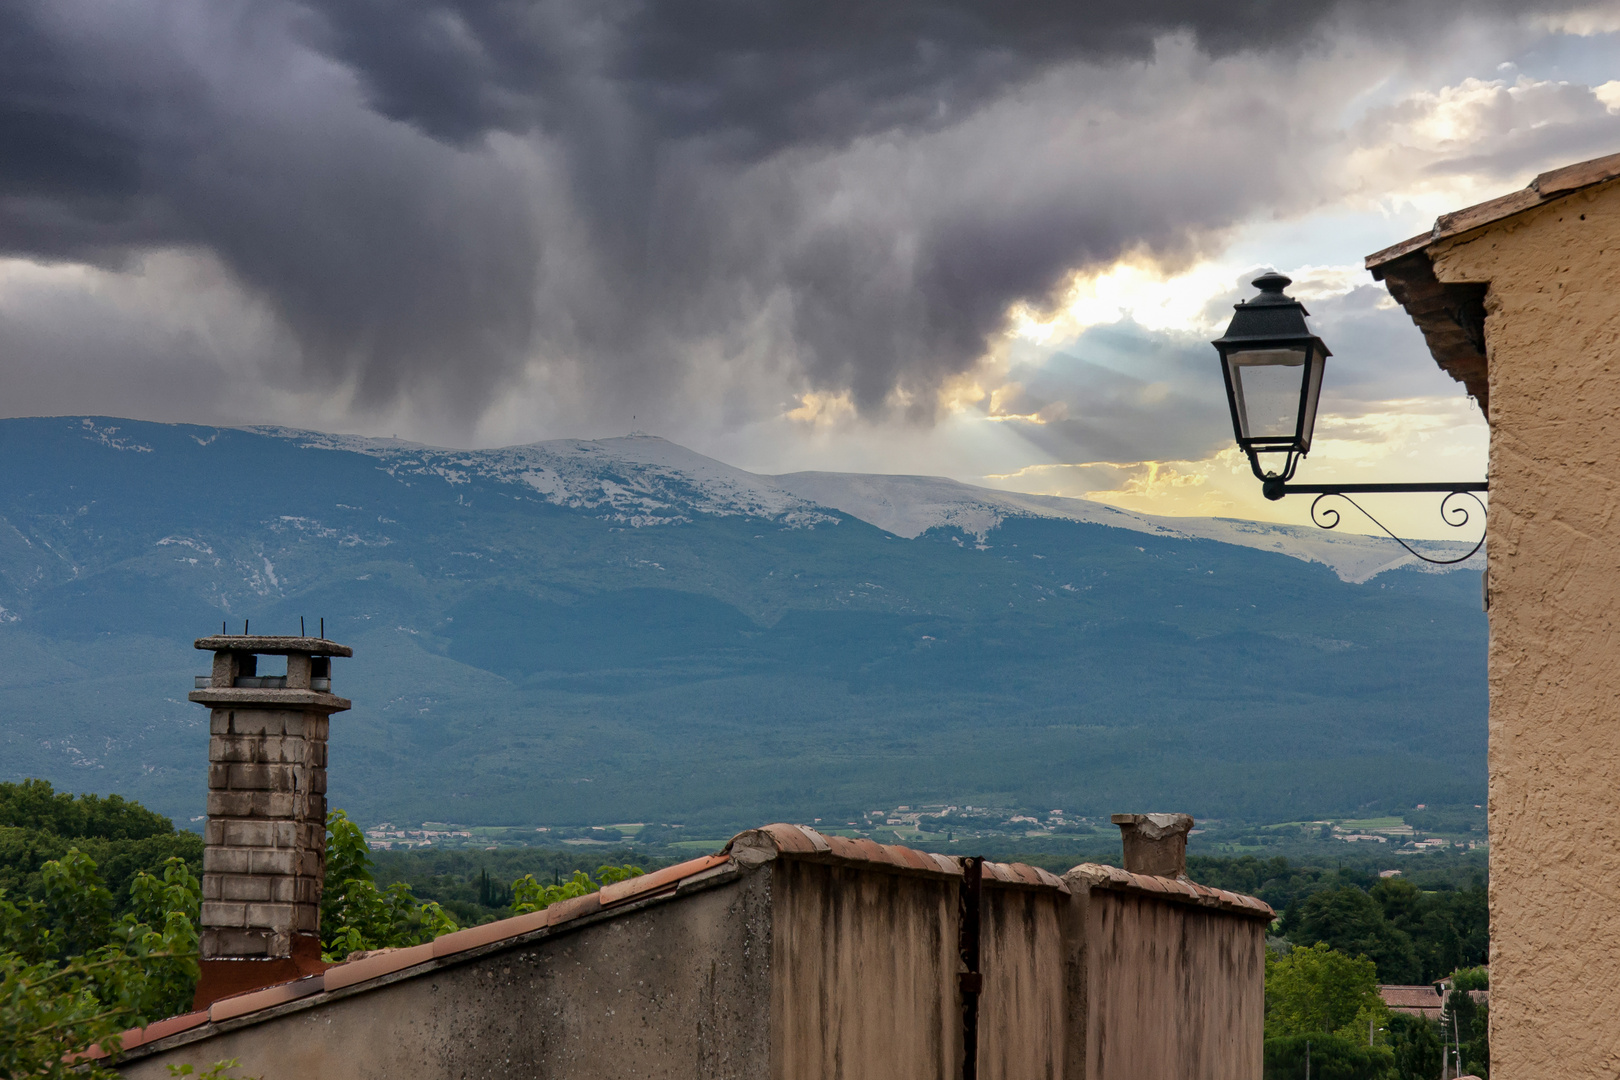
x: 644, y: 480
x: 624, y: 629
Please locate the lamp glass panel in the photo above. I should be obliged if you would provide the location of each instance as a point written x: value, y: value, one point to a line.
x: 1265, y: 390
x: 1313, y: 394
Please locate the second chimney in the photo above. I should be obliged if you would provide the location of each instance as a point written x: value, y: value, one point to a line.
x: 1155, y: 844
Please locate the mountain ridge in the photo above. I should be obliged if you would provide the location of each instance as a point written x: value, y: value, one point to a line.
x: 580, y: 632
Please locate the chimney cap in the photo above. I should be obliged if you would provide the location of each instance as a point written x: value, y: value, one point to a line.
x: 1155, y: 844
x: 272, y: 645
x: 1155, y: 826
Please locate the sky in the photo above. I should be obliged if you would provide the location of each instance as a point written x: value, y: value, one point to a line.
x: 985, y: 241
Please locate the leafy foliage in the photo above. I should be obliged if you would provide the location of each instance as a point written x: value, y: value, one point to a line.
x: 1412, y: 935
x: 1323, y: 998
x: 124, y: 839
x: 1352, y: 922
x: 1317, y: 990
x: 1332, y: 1057
x: 72, y: 974
x: 1415, y: 1041
x: 355, y: 914
x: 529, y: 895
x: 34, y: 804
x: 1465, y: 1024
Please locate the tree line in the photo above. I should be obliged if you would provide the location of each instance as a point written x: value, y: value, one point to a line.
x: 99, y: 916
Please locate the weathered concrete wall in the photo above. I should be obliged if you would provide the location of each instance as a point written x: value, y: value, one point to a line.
x: 865, y: 968
x: 1166, y: 990
x: 1021, y: 1012
x: 679, y: 989
x: 1553, y: 345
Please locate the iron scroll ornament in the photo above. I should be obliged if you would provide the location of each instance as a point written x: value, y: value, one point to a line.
x: 1456, y: 516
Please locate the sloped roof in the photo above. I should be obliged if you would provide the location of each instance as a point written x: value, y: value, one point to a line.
x: 1544, y: 188
x: 750, y: 847
x: 1452, y: 315
x: 1419, y: 1000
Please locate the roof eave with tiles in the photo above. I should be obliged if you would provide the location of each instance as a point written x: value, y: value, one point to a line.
x: 1451, y: 315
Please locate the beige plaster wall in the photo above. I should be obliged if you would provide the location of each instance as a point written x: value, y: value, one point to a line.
x: 678, y: 990
x: 1167, y: 990
x: 1021, y: 1012
x: 864, y: 975
x: 1553, y: 555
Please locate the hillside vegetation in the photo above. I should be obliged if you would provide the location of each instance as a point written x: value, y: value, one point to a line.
x: 663, y: 654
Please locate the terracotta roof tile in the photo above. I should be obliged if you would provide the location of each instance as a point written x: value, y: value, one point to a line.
x: 150, y: 1033
x: 802, y: 840
x: 916, y: 860
x: 474, y: 936
x: 242, y: 1004
x: 789, y: 838
x: 1419, y: 997
x: 376, y: 966
x: 1547, y: 186
x: 647, y: 883
x: 845, y: 848
x: 869, y: 850
x: 1182, y: 889
x: 567, y: 910
x: 387, y: 961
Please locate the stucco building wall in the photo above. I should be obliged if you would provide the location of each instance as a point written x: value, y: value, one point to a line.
x: 792, y: 956
x: 679, y: 990
x: 1552, y: 339
x: 1164, y: 990
x: 864, y: 971
x: 1022, y: 1010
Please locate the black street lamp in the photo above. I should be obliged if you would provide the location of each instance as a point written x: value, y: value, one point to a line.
x: 1273, y: 367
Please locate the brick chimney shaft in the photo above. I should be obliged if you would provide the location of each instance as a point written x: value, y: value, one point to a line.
x: 1155, y: 843
x: 264, y: 855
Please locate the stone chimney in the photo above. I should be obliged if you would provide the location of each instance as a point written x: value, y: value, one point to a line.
x: 1155, y: 843
x: 264, y: 855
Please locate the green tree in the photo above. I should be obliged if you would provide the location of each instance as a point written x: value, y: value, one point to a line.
x: 1415, y: 1041
x: 1352, y: 922
x: 1323, y: 1004
x: 72, y: 975
x: 1331, y: 1057
x: 1318, y: 990
x: 1467, y: 1022
x: 355, y: 914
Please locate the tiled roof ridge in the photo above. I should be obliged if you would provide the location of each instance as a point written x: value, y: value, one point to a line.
x: 1184, y: 889
x: 1549, y: 185
x: 804, y: 842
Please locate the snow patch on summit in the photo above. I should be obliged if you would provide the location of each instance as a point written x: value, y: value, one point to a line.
x: 642, y: 481
x: 637, y: 480
x: 909, y: 506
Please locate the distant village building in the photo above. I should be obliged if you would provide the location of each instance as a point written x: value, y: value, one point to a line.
x: 790, y: 955
x: 1519, y: 299
x: 1424, y: 1001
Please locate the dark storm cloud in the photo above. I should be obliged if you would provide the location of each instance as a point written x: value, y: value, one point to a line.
x: 429, y: 196
x: 766, y: 75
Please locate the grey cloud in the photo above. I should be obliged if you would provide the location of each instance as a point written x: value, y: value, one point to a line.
x: 650, y: 204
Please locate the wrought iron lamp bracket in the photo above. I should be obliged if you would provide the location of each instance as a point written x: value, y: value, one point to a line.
x: 1456, y: 516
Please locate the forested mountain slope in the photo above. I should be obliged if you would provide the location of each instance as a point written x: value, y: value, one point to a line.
x: 625, y: 630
